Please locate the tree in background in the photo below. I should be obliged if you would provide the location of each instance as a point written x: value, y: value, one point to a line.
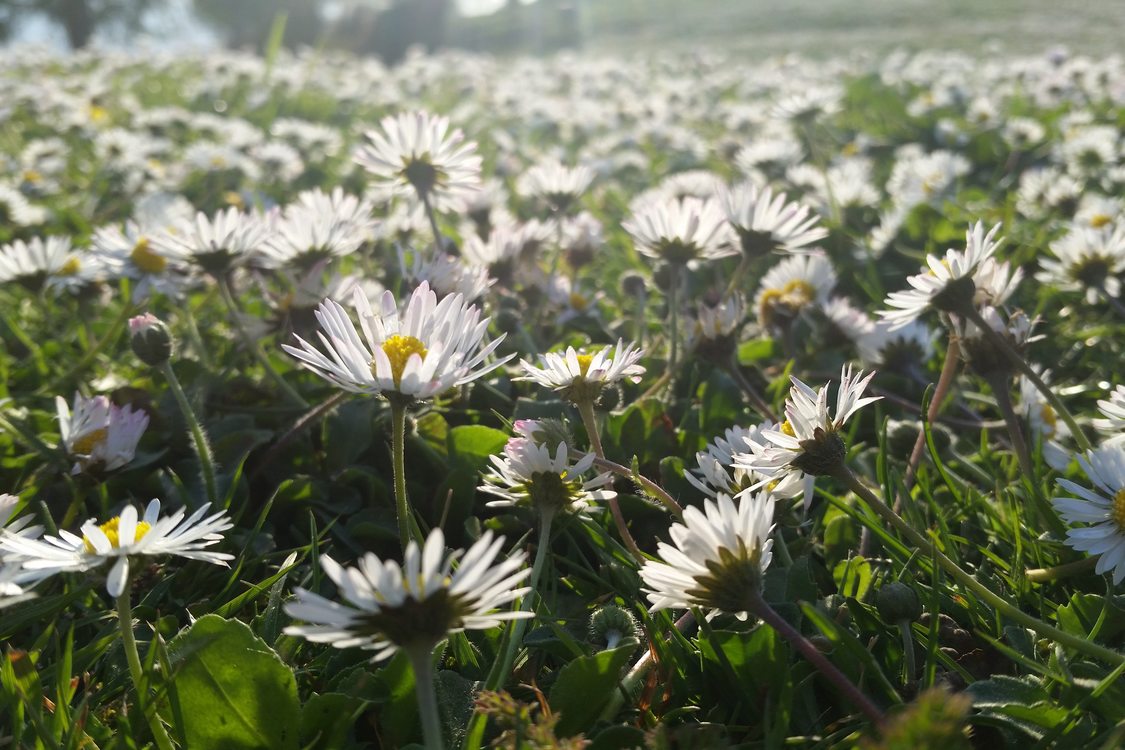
x: 78, y: 18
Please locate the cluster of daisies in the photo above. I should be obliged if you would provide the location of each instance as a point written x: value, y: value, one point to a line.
x: 407, y: 262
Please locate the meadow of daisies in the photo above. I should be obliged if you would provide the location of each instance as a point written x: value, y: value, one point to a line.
x: 674, y: 401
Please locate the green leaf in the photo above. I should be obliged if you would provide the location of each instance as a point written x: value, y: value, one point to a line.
x: 327, y: 719
x: 473, y: 444
x: 755, y: 350
x: 233, y: 689
x: 584, y: 685
x: 1002, y: 690
x: 853, y: 577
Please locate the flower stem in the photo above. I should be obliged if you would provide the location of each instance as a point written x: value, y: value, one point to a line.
x: 1043, y: 575
x: 999, y: 384
x: 652, y: 487
x: 398, y: 457
x: 254, y: 346
x: 673, y: 316
x: 748, y: 388
x: 637, y: 672
x: 999, y: 603
x: 422, y: 662
x: 198, y: 438
x: 768, y: 615
x: 590, y: 421
x: 429, y: 208
x: 129, y: 643
x: 1017, y: 359
x: 910, y: 666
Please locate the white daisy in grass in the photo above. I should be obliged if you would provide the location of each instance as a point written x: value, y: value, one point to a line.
x: 808, y: 441
x: 420, y: 352
x: 131, y: 249
x: 681, y: 231
x: 543, y: 474
x: 904, y: 349
x: 447, y: 275
x: 1103, y: 507
x: 846, y: 319
x: 319, y: 225
x: 717, y: 559
x: 949, y: 284
x: 48, y: 262
x: 1045, y: 422
x: 416, y: 153
x: 793, y: 286
x: 714, y: 332
x: 126, y: 536
x: 99, y: 434
x: 558, y: 185
x: 387, y: 607
x: 766, y: 222
x: 1112, y: 422
x: 716, y: 470
x: 979, y: 348
x: 505, y: 246
x: 582, y: 377
x: 214, y: 244
x: 1088, y: 261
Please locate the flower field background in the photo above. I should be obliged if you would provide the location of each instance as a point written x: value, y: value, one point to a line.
x: 662, y: 401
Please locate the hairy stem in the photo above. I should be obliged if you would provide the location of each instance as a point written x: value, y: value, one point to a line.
x: 586, y: 409
x: 198, y: 437
x: 999, y: 384
x: 421, y: 661
x: 129, y: 644
x: 398, y: 459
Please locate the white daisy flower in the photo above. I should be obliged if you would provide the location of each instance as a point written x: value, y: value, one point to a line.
x: 1102, y: 507
x: 715, y: 330
x: 903, y: 348
x: 718, y: 557
x: 319, y: 225
x: 681, y: 231
x: 415, y: 153
x: 448, y: 275
x: 130, y: 248
x: 555, y: 183
x: 419, y: 353
x: 414, y: 606
x: 792, y: 286
x: 581, y: 377
x: 847, y: 319
x: 949, y: 284
x: 1087, y: 260
x: 48, y: 262
x: 1044, y: 421
x: 98, y: 433
x: 1112, y: 422
x: 216, y: 244
x: 545, y: 477
x: 808, y: 441
x: 765, y: 222
x: 717, y: 472
x: 119, y: 539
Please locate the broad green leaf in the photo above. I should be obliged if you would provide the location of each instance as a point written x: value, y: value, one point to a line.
x: 232, y: 689
x: 584, y: 685
x: 853, y: 577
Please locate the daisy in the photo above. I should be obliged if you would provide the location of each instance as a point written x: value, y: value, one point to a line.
x: 765, y: 222
x: 808, y: 441
x: 583, y: 377
x: 846, y: 320
x: 216, y: 244
x: 979, y: 348
x: 417, y: 154
x: 556, y: 184
x: 319, y: 225
x: 49, y: 262
x: 448, y: 275
x: 1112, y: 421
x: 792, y: 286
x: 904, y: 349
x: 387, y: 607
x: 1044, y: 421
x: 131, y: 248
x: 718, y: 557
x: 949, y: 284
x: 717, y: 472
x: 121, y: 538
x: 532, y: 472
x: 1102, y: 507
x: 680, y: 231
x: 420, y: 352
x: 715, y: 331
x: 99, y: 433
x: 1087, y: 260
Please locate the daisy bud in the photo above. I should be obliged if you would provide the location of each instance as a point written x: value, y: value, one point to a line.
x: 150, y: 339
x: 633, y: 284
x: 897, y: 602
x: 611, y: 624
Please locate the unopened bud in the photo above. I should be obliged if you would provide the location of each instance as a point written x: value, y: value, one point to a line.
x: 150, y: 339
x: 611, y: 624
x: 898, y: 602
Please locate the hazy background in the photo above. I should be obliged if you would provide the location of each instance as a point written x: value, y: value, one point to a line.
x: 387, y: 28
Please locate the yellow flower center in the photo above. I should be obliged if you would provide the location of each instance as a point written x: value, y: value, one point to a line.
x: 71, y: 267
x: 32, y: 176
x: 578, y: 302
x: 109, y: 528
x: 399, y: 350
x: 1097, y: 221
x: 84, y: 445
x: 98, y: 114
x: 584, y: 361
x: 1049, y: 417
x: 232, y: 198
x: 1119, y: 509
x: 787, y: 429
x: 147, y: 259
x: 798, y: 292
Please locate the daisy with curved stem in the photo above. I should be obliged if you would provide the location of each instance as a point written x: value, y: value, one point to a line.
x: 124, y: 540
x: 538, y: 470
x: 1089, y: 261
x: 412, y: 607
x: 413, y: 355
x: 679, y: 231
x: 416, y: 153
x: 1102, y: 508
x: 580, y: 379
x: 717, y: 563
x: 816, y: 448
